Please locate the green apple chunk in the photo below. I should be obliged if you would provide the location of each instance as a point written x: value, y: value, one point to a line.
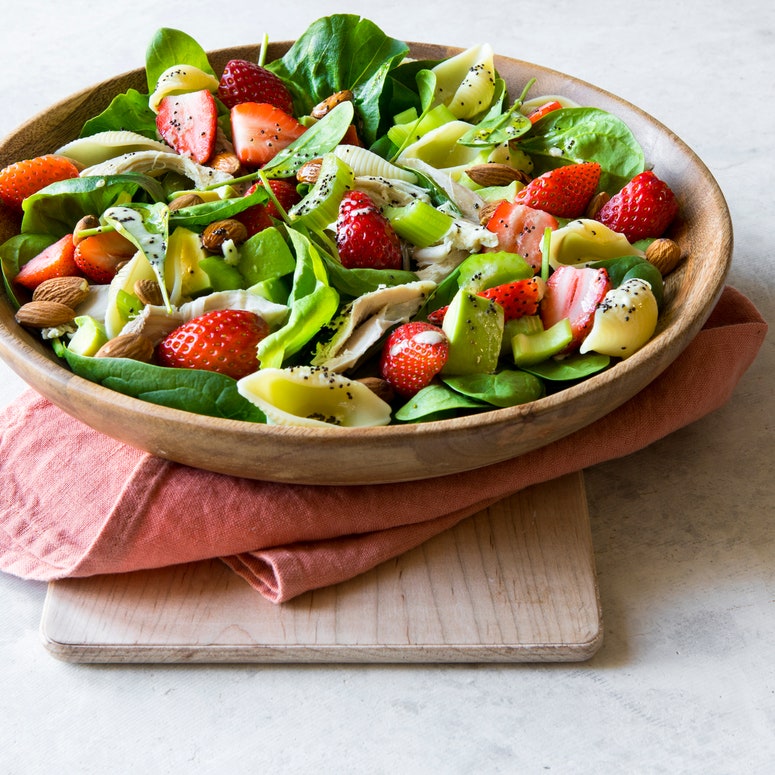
x: 89, y: 336
x: 474, y: 328
x: 486, y: 270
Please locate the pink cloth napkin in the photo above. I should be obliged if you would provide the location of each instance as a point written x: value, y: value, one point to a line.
x: 77, y: 503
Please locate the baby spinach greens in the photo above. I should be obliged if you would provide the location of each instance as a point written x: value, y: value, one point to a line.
x: 342, y: 51
x: 55, y: 209
x: 625, y: 268
x: 438, y: 402
x: 125, y: 110
x: 509, y: 387
x: 192, y: 390
x: 169, y: 47
x: 585, y: 134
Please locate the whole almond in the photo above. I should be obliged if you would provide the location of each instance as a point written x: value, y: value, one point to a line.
x: 495, y: 174
x: 487, y: 209
x: 309, y: 171
x: 185, y: 200
x: 148, y: 292
x: 44, y: 314
x: 664, y: 254
x: 595, y: 204
x: 218, y: 232
x: 86, y: 223
x: 380, y: 387
x: 134, y: 346
x: 66, y: 290
x: 329, y: 103
x: 225, y: 161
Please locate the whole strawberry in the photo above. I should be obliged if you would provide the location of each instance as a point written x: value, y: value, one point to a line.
x: 25, y: 178
x: 244, y: 81
x: 364, y: 237
x: 412, y: 356
x: 223, y: 340
x: 564, y: 192
x: 645, y: 207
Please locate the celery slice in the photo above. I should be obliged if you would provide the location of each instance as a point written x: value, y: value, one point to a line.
x: 419, y: 223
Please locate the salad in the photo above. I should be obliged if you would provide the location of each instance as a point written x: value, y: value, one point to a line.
x: 351, y: 239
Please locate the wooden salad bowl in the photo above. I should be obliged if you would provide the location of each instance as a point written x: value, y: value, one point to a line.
x: 401, y: 452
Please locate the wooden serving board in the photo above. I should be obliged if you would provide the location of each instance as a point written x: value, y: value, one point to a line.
x: 514, y: 583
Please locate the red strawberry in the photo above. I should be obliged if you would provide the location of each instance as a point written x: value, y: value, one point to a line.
x: 25, y: 178
x: 574, y: 293
x: 100, y: 255
x: 645, y: 207
x: 412, y: 356
x: 520, y: 230
x: 188, y: 123
x: 518, y: 298
x: 259, y: 217
x: 260, y: 131
x: 244, y: 81
x: 564, y: 192
x: 55, y: 261
x: 364, y: 236
x: 224, y: 340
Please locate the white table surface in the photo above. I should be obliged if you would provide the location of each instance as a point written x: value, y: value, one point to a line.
x: 685, y: 679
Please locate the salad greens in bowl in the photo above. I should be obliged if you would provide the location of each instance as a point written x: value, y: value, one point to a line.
x: 349, y: 259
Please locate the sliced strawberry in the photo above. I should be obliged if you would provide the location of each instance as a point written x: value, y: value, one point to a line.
x: 55, y: 261
x: 564, y: 192
x: 259, y: 217
x: 188, y: 123
x: 244, y: 81
x: 260, y: 131
x: 544, y: 110
x: 25, y: 178
x: 574, y: 293
x: 520, y: 230
x: 99, y: 256
x: 645, y: 207
x: 364, y: 237
x: 224, y: 340
x: 412, y: 356
x: 517, y: 298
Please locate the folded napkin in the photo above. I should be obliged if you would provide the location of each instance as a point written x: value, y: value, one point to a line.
x: 77, y: 503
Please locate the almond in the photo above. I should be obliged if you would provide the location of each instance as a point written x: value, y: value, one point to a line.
x: 309, y: 171
x: 44, y: 314
x: 134, y: 346
x: 380, y: 387
x: 148, y: 292
x: 495, y: 174
x: 595, y: 204
x: 66, y: 290
x: 225, y: 161
x: 185, y: 200
x: 86, y: 223
x: 664, y: 254
x: 218, y: 232
x: 487, y: 209
x: 329, y: 103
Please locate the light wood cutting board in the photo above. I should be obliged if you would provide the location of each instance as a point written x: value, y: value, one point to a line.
x: 514, y: 583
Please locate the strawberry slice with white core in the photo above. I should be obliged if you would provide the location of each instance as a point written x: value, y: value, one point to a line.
x: 574, y: 293
x: 260, y: 131
x: 188, y: 122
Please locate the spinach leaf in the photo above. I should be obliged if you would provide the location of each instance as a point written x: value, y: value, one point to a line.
x: 573, y: 135
x: 437, y: 402
x: 170, y: 47
x: 506, y: 388
x: 15, y: 253
x: 625, y: 268
x: 57, y: 208
x: 192, y: 390
x: 126, y: 111
x: 356, y: 282
x: 207, y: 212
x: 337, y: 52
x: 571, y: 368
x: 322, y: 137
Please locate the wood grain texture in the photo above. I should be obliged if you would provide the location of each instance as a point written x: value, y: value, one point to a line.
x: 514, y: 583
x: 396, y: 453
